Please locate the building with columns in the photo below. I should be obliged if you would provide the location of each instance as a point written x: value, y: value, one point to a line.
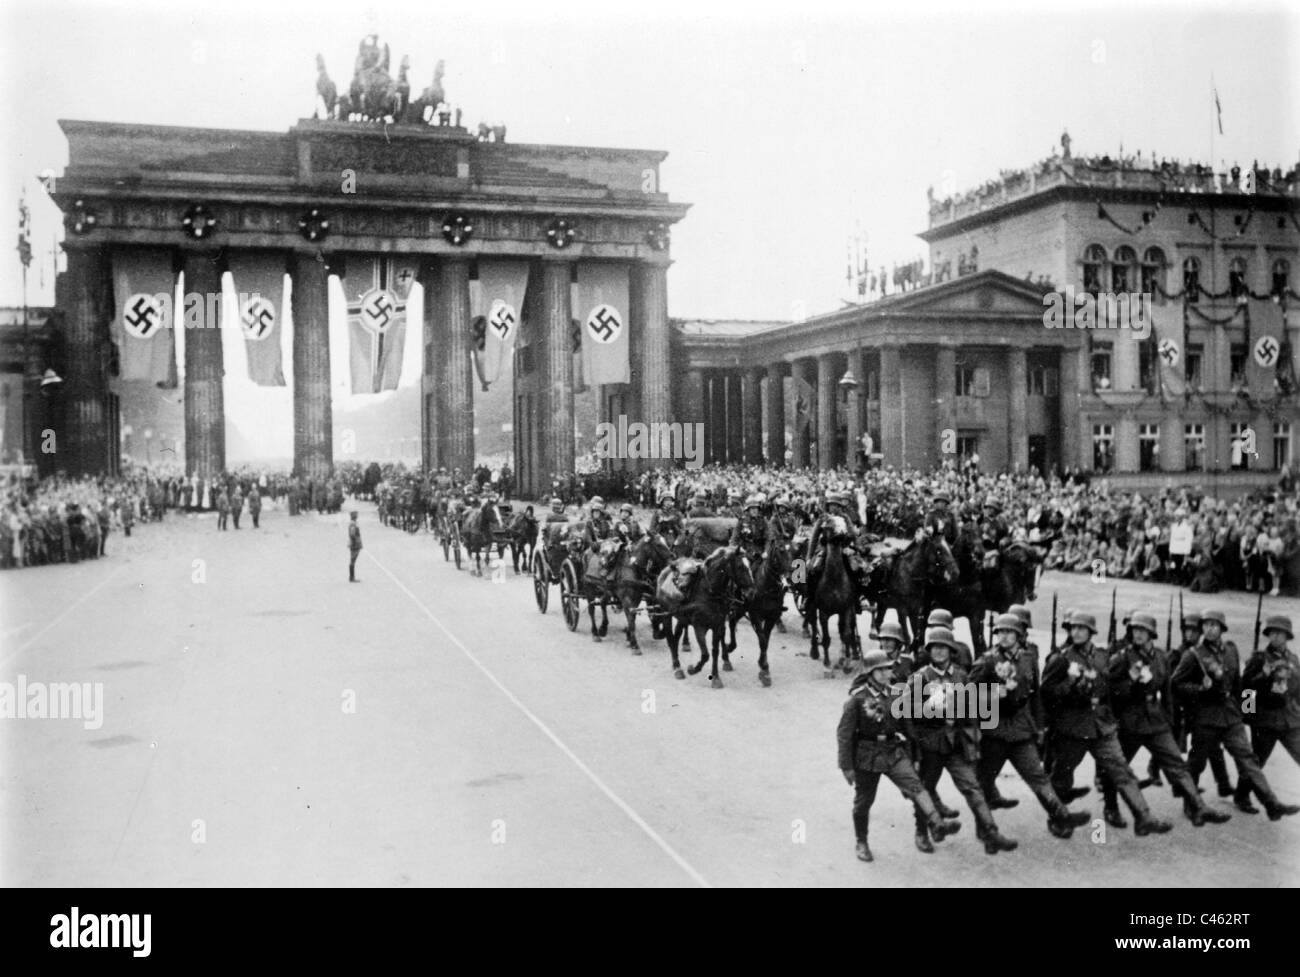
x: 967, y: 353
x: 329, y: 194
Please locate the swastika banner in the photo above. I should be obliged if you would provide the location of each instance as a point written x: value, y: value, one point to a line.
x: 144, y: 288
x: 498, y: 298
x: 377, y: 289
x: 259, y: 285
x: 602, y: 314
x: 1167, y: 319
x: 1265, y: 353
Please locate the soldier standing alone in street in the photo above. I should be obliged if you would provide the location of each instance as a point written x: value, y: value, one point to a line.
x: 354, y: 546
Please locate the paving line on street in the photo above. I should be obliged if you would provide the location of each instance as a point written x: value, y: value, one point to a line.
x: 59, y: 617
x: 618, y: 802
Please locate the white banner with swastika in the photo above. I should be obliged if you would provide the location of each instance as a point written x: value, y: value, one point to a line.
x: 1265, y: 347
x: 1167, y: 319
x: 143, y: 288
x: 259, y: 283
x: 603, y: 314
x: 496, y: 300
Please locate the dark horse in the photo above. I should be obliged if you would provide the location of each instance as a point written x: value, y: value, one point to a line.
x: 907, y: 581
x: 724, y: 580
x: 631, y: 580
x: 476, y: 527
x: 836, y: 595
x: 987, y: 583
x: 521, y: 537
x: 764, y: 607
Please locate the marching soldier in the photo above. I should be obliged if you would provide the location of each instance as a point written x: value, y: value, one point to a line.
x: 1191, y: 625
x: 1274, y: 676
x: 1075, y: 697
x: 1013, y: 670
x: 354, y: 546
x: 1208, y: 683
x: 236, y: 504
x: 1139, y: 680
x: 892, y: 644
x: 947, y: 741
x: 871, y: 744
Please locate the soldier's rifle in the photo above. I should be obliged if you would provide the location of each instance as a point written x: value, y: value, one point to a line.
x: 1169, y: 627
x: 1110, y: 631
x: 1055, y: 646
x: 1259, y: 607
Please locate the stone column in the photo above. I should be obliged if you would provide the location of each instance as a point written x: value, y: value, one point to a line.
x: 1126, y: 350
x: 1173, y: 451
x: 1070, y: 426
x: 82, y: 445
x: 557, y: 369
x: 857, y: 397
x: 753, y: 416
x: 891, y: 406
x: 1127, y: 455
x: 313, y: 411
x: 799, y: 371
x: 1017, y: 426
x: 691, y: 401
x: 735, y: 425
x: 205, y: 414
x: 651, y: 354
x: 454, y: 393
x: 717, y: 421
x: 827, y: 387
x: 775, y: 413
x: 945, y: 395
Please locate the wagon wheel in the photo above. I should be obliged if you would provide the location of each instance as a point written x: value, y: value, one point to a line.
x: 455, y: 542
x: 541, y: 586
x: 569, y: 595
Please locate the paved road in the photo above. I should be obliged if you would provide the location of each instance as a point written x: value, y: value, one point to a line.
x: 274, y: 724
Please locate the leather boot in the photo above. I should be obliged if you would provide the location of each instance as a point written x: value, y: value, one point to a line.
x: 1113, y: 816
x: 1146, y: 824
x: 1277, y: 811
x: 864, y: 851
x: 994, y: 842
x: 945, y: 812
x: 941, y: 828
x: 923, y: 841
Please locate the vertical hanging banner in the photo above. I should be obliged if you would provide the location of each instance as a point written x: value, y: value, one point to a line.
x: 575, y: 338
x: 376, y: 289
x: 1167, y: 320
x: 259, y: 285
x: 602, y: 313
x: 143, y: 290
x: 1264, y: 351
x: 497, y: 297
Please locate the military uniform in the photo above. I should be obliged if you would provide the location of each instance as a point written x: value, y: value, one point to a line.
x: 949, y: 742
x: 1014, y: 673
x: 942, y: 521
x: 667, y: 523
x: 1076, y: 696
x: 750, y: 531
x: 1139, y: 680
x: 1274, y: 676
x: 871, y: 744
x: 1208, y: 684
x: 354, y: 547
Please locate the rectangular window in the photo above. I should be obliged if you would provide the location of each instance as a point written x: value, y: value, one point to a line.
x: 873, y: 385
x: 1043, y: 381
x: 1103, y: 447
x: 965, y: 381
x: 983, y: 381
x: 1194, y: 447
x: 1238, y: 439
x: 968, y: 446
x: 1149, y: 447
x: 1101, y: 356
x: 1195, y: 357
x: 1281, y: 445
x: 1237, y: 364
x: 1148, y: 372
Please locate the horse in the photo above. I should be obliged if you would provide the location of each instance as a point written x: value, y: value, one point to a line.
x: 907, y: 580
x: 723, y: 579
x: 632, y: 579
x: 1012, y: 579
x: 522, y: 530
x: 765, y: 605
x: 967, y: 595
x: 476, y: 528
x: 835, y: 595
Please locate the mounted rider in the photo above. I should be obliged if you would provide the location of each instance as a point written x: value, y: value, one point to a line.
x: 751, y: 531
x: 836, y: 526
x: 940, y: 520
x: 784, y: 522
x: 734, y: 508
x: 667, y: 522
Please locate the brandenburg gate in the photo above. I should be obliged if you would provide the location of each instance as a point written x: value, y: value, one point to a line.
x: 362, y: 188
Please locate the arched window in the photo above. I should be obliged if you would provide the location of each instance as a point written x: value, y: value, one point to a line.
x: 1281, y: 277
x: 1094, y: 260
x: 1237, y: 286
x: 1153, y: 273
x: 1192, y: 279
x: 1123, y: 273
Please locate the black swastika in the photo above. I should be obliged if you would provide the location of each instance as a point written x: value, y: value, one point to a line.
x: 503, y: 319
x: 141, y: 316
x: 1169, y: 353
x: 1266, y: 351
x: 258, y: 319
x: 380, y: 311
x: 604, y: 324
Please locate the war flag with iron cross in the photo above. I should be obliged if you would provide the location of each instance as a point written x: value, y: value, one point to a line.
x: 377, y: 289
